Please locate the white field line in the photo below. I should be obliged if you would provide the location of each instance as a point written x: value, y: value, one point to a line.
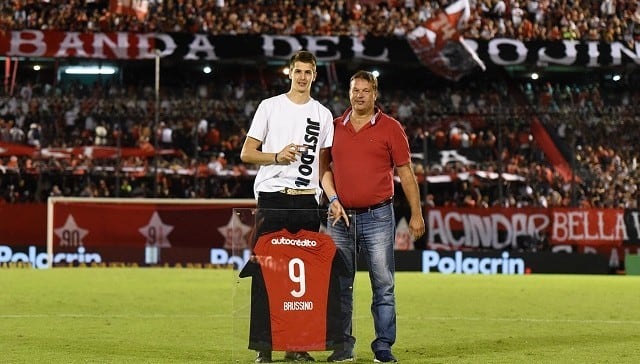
x: 529, y: 319
x: 226, y: 316
x: 106, y: 315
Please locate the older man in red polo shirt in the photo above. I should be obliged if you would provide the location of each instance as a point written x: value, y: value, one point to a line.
x: 368, y: 146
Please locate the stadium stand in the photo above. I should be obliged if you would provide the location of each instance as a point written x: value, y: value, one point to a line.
x: 593, y: 122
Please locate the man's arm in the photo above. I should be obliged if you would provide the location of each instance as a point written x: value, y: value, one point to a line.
x: 412, y: 193
x: 326, y: 174
x: 336, y: 211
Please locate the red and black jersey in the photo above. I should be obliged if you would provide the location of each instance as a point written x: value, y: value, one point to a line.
x: 295, y: 293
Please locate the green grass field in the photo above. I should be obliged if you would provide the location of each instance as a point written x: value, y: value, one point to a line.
x: 129, y: 315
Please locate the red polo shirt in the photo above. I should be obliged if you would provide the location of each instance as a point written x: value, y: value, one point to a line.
x: 364, y: 161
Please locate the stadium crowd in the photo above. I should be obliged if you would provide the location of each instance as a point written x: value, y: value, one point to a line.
x: 607, y: 20
x: 488, y: 130
x: 204, y: 130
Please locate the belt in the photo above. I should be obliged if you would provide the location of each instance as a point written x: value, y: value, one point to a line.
x: 293, y: 191
x: 372, y: 207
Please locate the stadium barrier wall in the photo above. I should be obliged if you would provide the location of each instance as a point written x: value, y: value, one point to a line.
x: 199, y: 232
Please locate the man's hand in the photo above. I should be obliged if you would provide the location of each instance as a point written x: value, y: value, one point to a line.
x: 288, y: 154
x: 416, y: 226
x: 337, y: 212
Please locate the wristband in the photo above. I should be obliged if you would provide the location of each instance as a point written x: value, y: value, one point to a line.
x: 333, y: 198
x: 275, y: 157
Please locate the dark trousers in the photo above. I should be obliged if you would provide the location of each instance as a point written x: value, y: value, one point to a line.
x: 278, y: 211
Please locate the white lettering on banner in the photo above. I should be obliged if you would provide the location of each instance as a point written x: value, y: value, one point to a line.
x: 269, y: 45
x: 201, y: 44
x: 618, y: 48
x: 593, y: 54
x: 498, y: 48
x: 32, y: 40
x: 293, y: 45
x: 452, y: 156
x: 636, y: 223
x: 119, y: 47
x: 569, y: 58
x: 314, y: 45
x: 39, y: 260
x: 32, y: 43
x: 471, y: 265
x: 575, y: 226
x: 222, y: 257
x: 123, y: 45
x: 145, y: 51
x: 71, y: 42
x: 483, y: 231
x: 497, y: 44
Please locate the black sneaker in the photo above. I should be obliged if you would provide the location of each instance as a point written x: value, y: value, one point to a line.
x: 342, y: 356
x: 263, y: 357
x: 298, y: 356
x: 384, y: 356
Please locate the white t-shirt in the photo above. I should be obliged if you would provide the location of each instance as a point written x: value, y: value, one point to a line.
x: 278, y: 122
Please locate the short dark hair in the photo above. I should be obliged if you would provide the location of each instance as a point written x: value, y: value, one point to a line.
x: 304, y: 57
x: 367, y: 76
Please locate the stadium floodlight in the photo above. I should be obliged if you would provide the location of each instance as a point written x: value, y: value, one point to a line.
x: 90, y: 70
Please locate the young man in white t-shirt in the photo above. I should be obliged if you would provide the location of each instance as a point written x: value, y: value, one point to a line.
x: 289, y: 138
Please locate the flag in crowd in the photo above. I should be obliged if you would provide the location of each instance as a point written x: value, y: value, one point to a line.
x: 438, y: 44
x: 139, y: 8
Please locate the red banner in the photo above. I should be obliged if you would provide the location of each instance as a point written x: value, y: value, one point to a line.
x: 510, y: 228
x: 18, y: 150
x: 88, y: 151
x: 136, y: 225
x: 203, y: 232
x: 196, y: 225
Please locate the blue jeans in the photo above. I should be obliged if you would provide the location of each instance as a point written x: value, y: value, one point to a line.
x: 372, y: 234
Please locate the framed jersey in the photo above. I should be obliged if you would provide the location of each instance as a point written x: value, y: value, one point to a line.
x: 295, y: 296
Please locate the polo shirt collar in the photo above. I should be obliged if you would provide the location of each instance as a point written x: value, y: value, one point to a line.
x: 374, y: 118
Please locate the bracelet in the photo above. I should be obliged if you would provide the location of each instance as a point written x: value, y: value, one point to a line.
x: 275, y: 157
x: 333, y: 198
